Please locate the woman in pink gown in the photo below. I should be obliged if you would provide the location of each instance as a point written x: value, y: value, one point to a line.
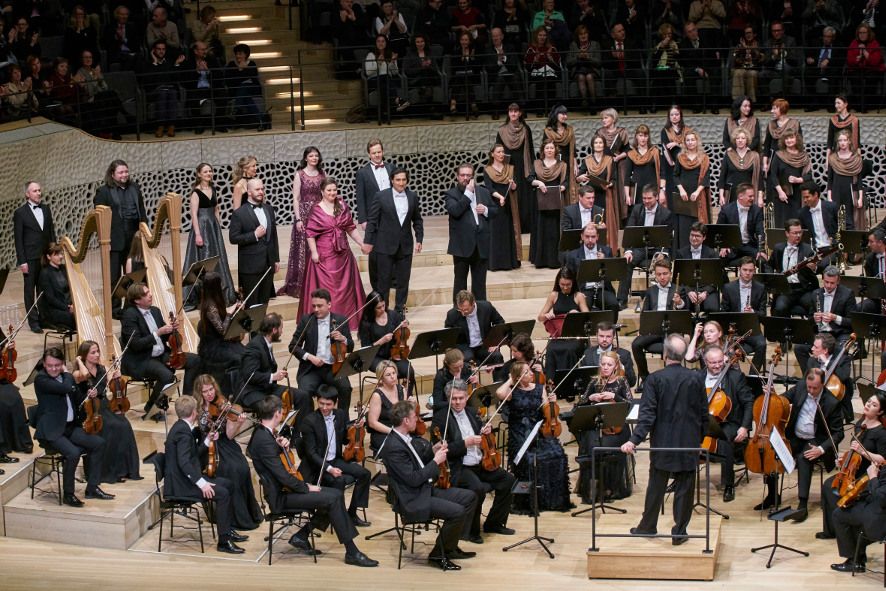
x: 331, y: 264
x: 305, y: 193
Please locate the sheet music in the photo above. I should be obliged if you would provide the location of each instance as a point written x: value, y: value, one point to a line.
x: 635, y: 413
x: 781, y: 450
x: 529, y: 440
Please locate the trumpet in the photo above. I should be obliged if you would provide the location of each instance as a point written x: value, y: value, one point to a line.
x: 598, y: 219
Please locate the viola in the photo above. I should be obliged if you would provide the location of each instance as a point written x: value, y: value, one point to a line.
x: 354, y: 450
x: 287, y: 456
x: 771, y: 411
x: 286, y: 397
x: 176, y: 355
x: 339, y: 351
x: 92, y: 407
x: 212, y: 459
x: 400, y: 349
x: 491, y: 456
x: 7, y: 359
x: 854, y: 491
x: 421, y: 428
x: 845, y: 477
x: 119, y: 403
x: 551, y: 413
x: 443, y: 481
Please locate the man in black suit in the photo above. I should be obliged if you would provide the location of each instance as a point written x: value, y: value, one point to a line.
x: 823, y: 354
x: 324, y: 432
x: 502, y: 64
x: 412, y: 477
x: 605, y: 337
x: 56, y: 422
x: 674, y: 409
x: 647, y: 213
x: 622, y: 61
x: 746, y: 295
x: 814, y: 430
x: 146, y: 357
x: 875, y: 266
x: 373, y: 177
x: 202, y: 76
x: 824, y: 70
x: 867, y: 516
x: 706, y: 297
x: 127, y: 204
x: 830, y: 308
x: 254, y: 230
x: 749, y: 218
x: 312, y: 344
x: 463, y: 431
x: 473, y: 318
x: 578, y: 215
x: 802, y: 283
x: 33, y: 229
x: 738, y: 422
x: 285, y: 492
x: 819, y: 216
x: 470, y: 208
x: 183, y: 477
x: 661, y: 295
x: 394, y: 215
x: 598, y: 296
x: 259, y: 369
x: 699, y: 64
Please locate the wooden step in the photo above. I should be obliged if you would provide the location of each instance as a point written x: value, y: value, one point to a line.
x: 15, y: 481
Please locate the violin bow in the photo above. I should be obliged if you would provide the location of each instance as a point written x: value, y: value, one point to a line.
x: 115, y: 365
x: 505, y: 399
x: 563, y: 381
x: 11, y: 336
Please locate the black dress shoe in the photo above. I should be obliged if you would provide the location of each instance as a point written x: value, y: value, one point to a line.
x: 638, y: 532
x: 728, y: 494
x: 72, y: 501
x: 36, y: 330
x: 303, y: 545
x: 360, y: 559
x: 236, y: 536
x: 824, y: 536
x: 474, y: 539
x: 801, y: 515
x: 461, y: 554
x: 28, y: 449
x: 443, y: 563
x: 848, y: 567
x: 98, y: 493
x: 359, y: 522
x: 767, y: 503
x: 229, y: 547
x: 5, y: 459
x: 678, y: 541
x: 500, y: 529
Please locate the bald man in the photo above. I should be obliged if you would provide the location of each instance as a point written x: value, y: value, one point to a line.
x: 254, y: 230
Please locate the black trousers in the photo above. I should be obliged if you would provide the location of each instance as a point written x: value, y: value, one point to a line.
x: 32, y: 280
x: 393, y: 269
x: 828, y: 505
x: 313, y: 376
x: 454, y: 506
x: 848, y: 524
x: 480, y: 481
x: 156, y: 370
x: 329, y: 506
x: 118, y: 257
x: 804, y: 470
x: 58, y: 317
x: 265, y: 290
x: 757, y: 344
x: 351, y: 472
x: 223, y: 508
x: 73, y: 443
x: 601, y: 299
x: 480, y: 353
x: 477, y: 266
x: 655, y: 492
x: 726, y: 448
x: 641, y: 261
x: 639, y: 346
x: 784, y: 303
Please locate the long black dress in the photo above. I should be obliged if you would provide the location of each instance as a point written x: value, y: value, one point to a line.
x: 732, y: 175
x: 213, y: 244
x: 213, y: 349
x: 121, y: 459
x: 613, y: 469
x: 844, y: 188
x: 369, y: 333
x: 14, y: 433
x: 232, y: 465
x: 522, y: 154
x: 376, y: 438
x: 545, y: 248
x: 503, y: 255
x: 690, y: 180
x: 562, y: 354
x: 640, y: 175
x: 779, y: 171
x: 545, y: 452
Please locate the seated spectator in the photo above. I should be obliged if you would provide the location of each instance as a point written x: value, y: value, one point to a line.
x: 161, y: 27
x: 99, y: 104
x: 667, y: 11
x: 708, y: 16
x: 464, y: 74
x: 503, y: 70
x: 542, y: 61
x: 244, y: 86
x: 781, y: 60
x: 44, y: 16
x: 79, y: 36
x: 864, y: 67
x: 789, y: 12
x: 6, y: 56
x: 18, y: 100
x: 422, y: 68
x: 203, y: 77
x: 584, y: 13
x: 820, y: 14
x: 512, y: 19
x: 554, y: 23
x: 741, y: 14
x: 747, y: 59
x: 392, y: 25
x: 24, y: 40
x: 633, y: 17
x: 584, y: 63
x: 158, y: 79
x: 121, y: 39
x: 824, y: 70
x: 700, y: 67
x: 33, y: 71
x: 664, y: 68
x: 206, y: 29
x: 468, y: 19
x: 62, y: 90
x: 622, y: 62
x: 434, y: 21
x: 350, y: 31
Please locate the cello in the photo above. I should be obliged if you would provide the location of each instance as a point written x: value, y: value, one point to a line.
x: 833, y: 383
x: 719, y: 404
x: 771, y: 411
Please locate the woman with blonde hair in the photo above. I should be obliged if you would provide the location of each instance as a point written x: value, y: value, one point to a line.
x: 244, y: 170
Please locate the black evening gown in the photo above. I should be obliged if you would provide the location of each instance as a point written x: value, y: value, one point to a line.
x: 503, y: 247
x: 213, y: 349
x: 525, y: 191
x: 369, y: 333
x: 213, y: 245
x: 843, y: 190
x: 562, y: 354
x: 376, y: 438
x: 545, y: 452
x: 14, y: 433
x: 779, y: 172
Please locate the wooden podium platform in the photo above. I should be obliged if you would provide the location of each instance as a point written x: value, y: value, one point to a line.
x: 653, y: 558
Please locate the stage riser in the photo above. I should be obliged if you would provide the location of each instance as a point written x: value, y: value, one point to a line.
x: 16, y: 481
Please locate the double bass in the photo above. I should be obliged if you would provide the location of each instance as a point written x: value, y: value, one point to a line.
x: 771, y: 411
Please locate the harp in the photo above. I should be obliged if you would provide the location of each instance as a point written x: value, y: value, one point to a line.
x: 93, y: 318
x: 167, y: 291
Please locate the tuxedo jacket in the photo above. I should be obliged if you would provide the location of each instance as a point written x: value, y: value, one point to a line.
x: 55, y: 288
x: 591, y: 357
x: 254, y: 255
x: 570, y: 219
x: 413, y: 484
x: 308, y: 341
x: 730, y: 298
x: 487, y: 317
x: 736, y: 387
x: 828, y: 216
x: 104, y: 197
x: 456, y: 443
x: 30, y: 240
x: 831, y: 414
x: 183, y: 466
x: 465, y: 234
x: 52, y: 406
x: 576, y: 256
x: 637, y: 217
x: 729, y: 215
x: 871, y: 265
x: 383, y: 229
x: 842, y: 305
x: 265, y: 454
x: 808, y: 278
x: 367, y: 188
x: 843, y: 370
x: 133, y: 324
x: 706, y: 253
x: 650, y: 298
x: 258, y: 363
x: 313, y: 431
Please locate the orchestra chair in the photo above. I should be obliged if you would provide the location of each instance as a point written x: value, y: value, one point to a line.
x: 870, y: 570
x: 64, y: 336
x: 403, y: 526
x: 279, y: 521
x: 187, y: 508
x: 51, y: 457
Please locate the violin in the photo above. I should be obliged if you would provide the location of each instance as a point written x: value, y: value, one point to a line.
x: 845, y: 477
x: 119, y: 403
x: 854, y: 491
x: 287, y: 456
x: 354, y: 450
x: 491, y: 456
x: 771, y: 411
x: 443, y: 481
x: 339, y: 351
x: 421, y: 428
x: 176, y: 355
x: 212, y: 459
x: 92, y: 407
x: 7, y: 359
x: 551, y: 413
x: 286, y: 398
x: 400, y: 348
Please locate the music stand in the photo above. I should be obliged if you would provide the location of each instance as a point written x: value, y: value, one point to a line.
x: 570, y: 239
x: 698, y: 273
x: 723, y: 236
x: 581, y: 325
x: 502, y: 334
x: 433, y: 343
x: 198, y: 269
x: 531, y: 488
x: 865, y: 391
x: 775, y: 283
x: 872, y: 288
x: 356, y: 363
x: 743, y: 321
x: 594, y: 270
x: 778, y: 517
x: 245, y: 320
x: 486, y: 392
x: 646, y: 237
x: 600, y: 416
x: 662, y: 323
x: 573, y: 382
x: 789, y: 331
x: 776, y: 235
x: 119, y: 291
x: 871, y: 327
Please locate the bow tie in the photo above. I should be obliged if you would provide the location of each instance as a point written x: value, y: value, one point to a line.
x: 816, y: 209
x: 35, y: 206
x: 377, y: 166
x: 255, y: 206
x: 746, y: 286
x: 791, y: 249
x: 744, y: 209
x: 583, y: 210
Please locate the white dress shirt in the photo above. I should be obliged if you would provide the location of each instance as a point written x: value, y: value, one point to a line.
x: 475, y: 339
x: 473, y: 199
x: 821, y: 235
x: 37, y: 211
x: 743, y: 224
x: 587, y: 216
x: 791, y: 254
x: 259, y: 212
x: 472, y: 456
x: 827, y: 303
x: 330, y: 438
x: 650, y: 216
x: 744, y: 294
x: 662, y: 303
x: 157, y: 350
x: 695, y: 254
x: 805, y: 427
x: 324, y: 351
x: 401, y: 202
x: 591, y: 255
x: 380, y: 172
